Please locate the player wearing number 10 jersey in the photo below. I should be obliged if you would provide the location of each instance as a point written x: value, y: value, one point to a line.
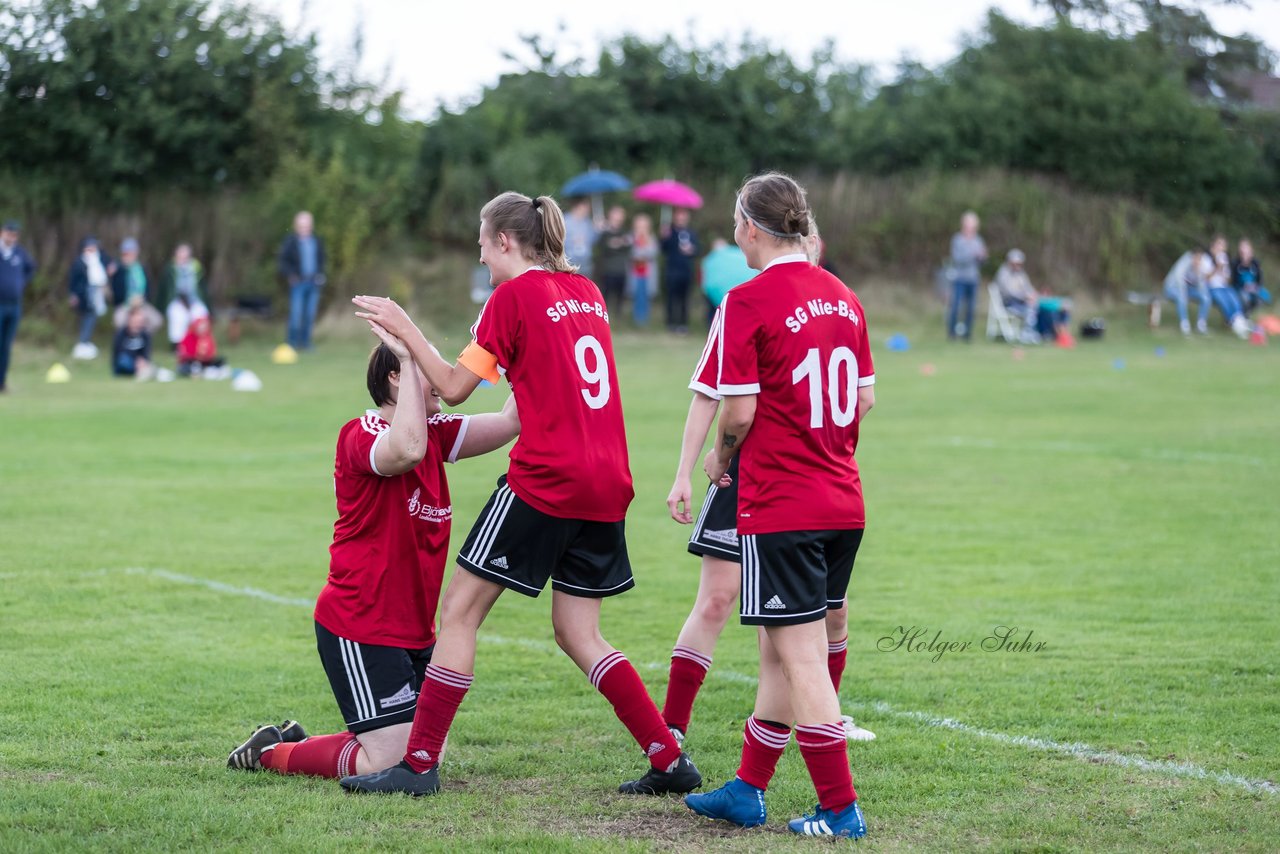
x: 796, y: 376
x: 558, y: 512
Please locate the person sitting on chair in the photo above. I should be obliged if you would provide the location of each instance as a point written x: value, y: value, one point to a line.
x: 1019, y: 297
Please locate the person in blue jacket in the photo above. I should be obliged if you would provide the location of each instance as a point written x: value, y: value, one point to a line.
x: 16, y: 271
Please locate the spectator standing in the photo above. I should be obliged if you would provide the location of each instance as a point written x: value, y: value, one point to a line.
x: 87, y: 282
x: 968, y: 251
x: 615, y: 259
x: 1246, y: 278
x: 16, y: 271
x: 129, y: 288
x: 722, y: 268
x: 302, y: 264
x: 644, y: 268
x: 181, y: 292
x: 580, y: 235
x: 679, y: 248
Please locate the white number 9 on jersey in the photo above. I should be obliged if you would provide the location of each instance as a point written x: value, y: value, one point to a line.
x: 598, y: 375
x: 811, y: 368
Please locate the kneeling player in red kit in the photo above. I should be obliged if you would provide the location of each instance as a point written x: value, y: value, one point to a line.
x: 558, y: 514
x: 375, y: 618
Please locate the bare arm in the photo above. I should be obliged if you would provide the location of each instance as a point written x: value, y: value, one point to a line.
x: 405, y: 443
x: 454, y: 383
x: 736, y: 418
x: 866, y: 400
x: 490, y: 431
x: 702, y: 412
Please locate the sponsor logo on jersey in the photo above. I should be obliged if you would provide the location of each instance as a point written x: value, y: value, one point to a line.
x: 427, y: 512
x: 728, y: 537
x: 399, y: 698
x: 500, y: 562
x: 774, y: 604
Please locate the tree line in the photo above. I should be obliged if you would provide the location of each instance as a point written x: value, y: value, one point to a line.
x: 126, y: 110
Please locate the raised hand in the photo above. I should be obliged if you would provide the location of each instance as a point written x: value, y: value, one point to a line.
x: 394, y: 344
x: 387, y: 314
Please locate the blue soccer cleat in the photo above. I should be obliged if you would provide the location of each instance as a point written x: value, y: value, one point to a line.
x: 735, y: 801
x: 848, y: 823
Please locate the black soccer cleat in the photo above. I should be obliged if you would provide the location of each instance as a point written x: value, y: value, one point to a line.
x: 398, y: 779
x: 292, y: 731
x: 248, y: 756
x: 681, y: 779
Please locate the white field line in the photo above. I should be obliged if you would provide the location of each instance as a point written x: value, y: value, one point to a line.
x: 1076, y: 750
x: 1068, y: 447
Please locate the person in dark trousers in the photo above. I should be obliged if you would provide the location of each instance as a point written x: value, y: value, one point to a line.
x: 89, y: 283
x: 1246, y: 278
x: 968, y: 251
x: 302, y: 264
x: 679, y: 247
x: 614, y: 250
x: 16, y: 271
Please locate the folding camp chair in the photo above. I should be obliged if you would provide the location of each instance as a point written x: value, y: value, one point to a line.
x: 1000, y: 323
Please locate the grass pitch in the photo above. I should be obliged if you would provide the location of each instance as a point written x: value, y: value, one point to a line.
x: 159, y: 545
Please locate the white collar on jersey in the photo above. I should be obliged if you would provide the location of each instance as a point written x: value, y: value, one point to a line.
x: 530, y: 270
x: 787, y: 259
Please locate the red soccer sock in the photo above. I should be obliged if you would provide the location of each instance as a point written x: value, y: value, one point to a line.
x: 837, y: 653
x: 614, y: 677
x: 332, y: 756
x: 438, y: 701
x: 826, y: 753
x: 688, y: 668
x: 762, y: 746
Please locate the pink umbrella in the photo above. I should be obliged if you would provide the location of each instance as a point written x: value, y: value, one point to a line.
x: 668, y: 192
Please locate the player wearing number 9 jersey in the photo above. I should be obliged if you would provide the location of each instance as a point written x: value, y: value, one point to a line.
x: 558, y: 512
x: 795, y: 375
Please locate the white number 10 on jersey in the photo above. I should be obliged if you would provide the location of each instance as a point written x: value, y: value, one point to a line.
x: 811, y: 367
x: 594, y: 376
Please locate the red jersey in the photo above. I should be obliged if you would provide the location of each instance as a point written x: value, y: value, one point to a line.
x: 706, y: 376
x: 550, y: 335
x: 796, y: 337
x: 391, y: 539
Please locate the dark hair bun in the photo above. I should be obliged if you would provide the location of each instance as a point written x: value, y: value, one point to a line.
x: 796, y: 222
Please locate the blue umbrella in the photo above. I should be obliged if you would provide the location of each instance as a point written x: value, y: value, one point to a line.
x: 594, y: 183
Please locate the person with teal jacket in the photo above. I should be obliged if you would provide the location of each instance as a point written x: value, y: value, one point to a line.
x: 723, y: 267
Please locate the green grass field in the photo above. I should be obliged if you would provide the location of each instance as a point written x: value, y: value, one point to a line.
x: 160, y: 545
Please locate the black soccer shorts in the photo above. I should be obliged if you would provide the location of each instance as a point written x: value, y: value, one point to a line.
x: 795, y: 577
x: 519, y: 547
x: 715, y: 531
x: 375, y: 686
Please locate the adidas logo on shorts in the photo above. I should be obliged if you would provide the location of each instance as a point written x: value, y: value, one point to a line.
x: 500, y: 562
x: 774, y: 604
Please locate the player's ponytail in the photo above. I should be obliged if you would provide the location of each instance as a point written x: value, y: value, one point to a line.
x: 778, y: 206
x: 537, y: 225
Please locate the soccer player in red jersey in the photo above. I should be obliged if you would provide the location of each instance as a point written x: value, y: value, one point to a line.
x: 558, y: 512
x: 375, y: 618
x: 715, y: 539
x: 796, y: 376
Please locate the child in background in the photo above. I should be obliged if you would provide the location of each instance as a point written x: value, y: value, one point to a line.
x: 198, y: 352
x: 131, y: 351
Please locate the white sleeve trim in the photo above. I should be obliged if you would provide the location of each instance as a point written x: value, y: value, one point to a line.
x: 869, y: 379
x: 703, y: 388
x: 457, y: 443
x: 373, y: 453
x: 735, y: 390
